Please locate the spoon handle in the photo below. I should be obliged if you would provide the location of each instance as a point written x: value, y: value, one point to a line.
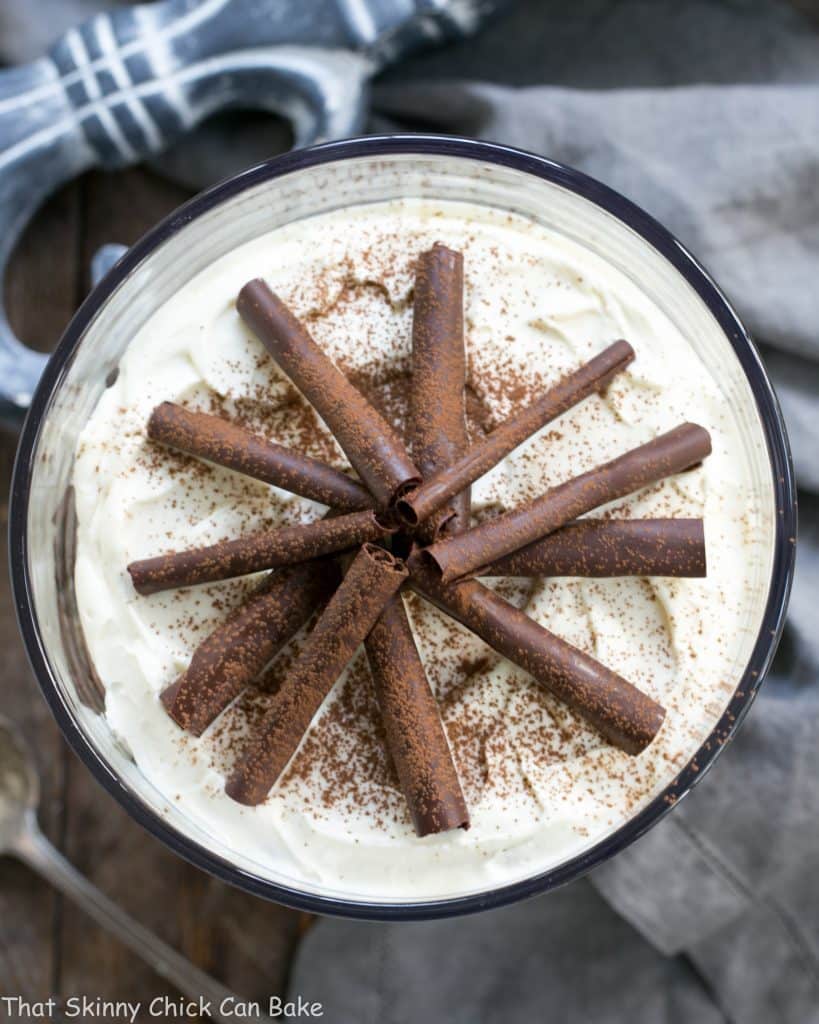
x: 35, y: 850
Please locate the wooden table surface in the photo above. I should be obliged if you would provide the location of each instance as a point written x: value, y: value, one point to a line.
x: 48, y: 947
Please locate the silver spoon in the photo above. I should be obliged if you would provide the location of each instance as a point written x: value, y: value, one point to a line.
x: 20, y: 836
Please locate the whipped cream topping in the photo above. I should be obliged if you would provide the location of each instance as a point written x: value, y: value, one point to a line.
x: 541, y: 786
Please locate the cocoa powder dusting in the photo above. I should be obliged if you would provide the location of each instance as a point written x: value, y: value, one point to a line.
x: 342, y: 764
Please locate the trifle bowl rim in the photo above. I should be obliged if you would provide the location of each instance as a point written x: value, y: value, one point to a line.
x: 783, y: 554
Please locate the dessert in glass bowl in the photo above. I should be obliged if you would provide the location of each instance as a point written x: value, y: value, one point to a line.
x: 445, y: 323
x: 422, y: 543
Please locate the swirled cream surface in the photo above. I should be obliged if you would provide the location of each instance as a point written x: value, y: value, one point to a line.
x: 541, y: 786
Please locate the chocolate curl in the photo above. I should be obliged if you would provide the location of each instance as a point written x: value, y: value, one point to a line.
x: 441, y: 488
x: 238, y: 649
x: 628, y: 718
x: 374, y: 449
x: 611, y: 547
x: 373, y: 577
x: 669, y: 453
x: 416, y: 739
x: 267, y: 549
x: 437, y: 398
x: 227, y: 444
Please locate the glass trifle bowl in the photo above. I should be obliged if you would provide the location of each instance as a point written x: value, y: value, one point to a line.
x: 545, y: 811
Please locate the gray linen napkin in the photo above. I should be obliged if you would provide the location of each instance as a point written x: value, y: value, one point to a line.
x: 707, y: 115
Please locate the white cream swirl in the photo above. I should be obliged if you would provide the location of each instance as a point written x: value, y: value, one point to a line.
x: 540, y: 786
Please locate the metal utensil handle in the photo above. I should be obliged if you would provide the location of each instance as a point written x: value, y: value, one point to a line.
x: 39, y: 854
x: 125, y: 85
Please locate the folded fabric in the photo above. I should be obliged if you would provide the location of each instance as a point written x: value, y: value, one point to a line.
x: 509, y: 966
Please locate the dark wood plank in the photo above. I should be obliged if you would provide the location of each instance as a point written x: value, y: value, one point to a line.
x: 41, y: 294
x: 809, y: 8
